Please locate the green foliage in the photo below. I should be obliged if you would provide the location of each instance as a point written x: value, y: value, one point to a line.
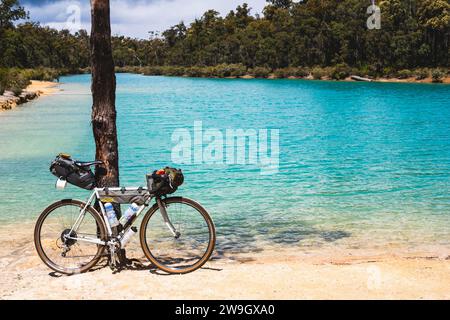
x: 10, y: 11
x: 422, y: 74
x: 229, y: 70
x: 404, y: 74
x: 291, y: 72
x: 437, y: 75
x: 319, y: 73
x: 3, y: 80
x: 260, y: 72
x: 290, y: 38
x: 43, y: 74
x: 284, y: 4
x: 195, y: 72
x: 340, y: 72
x: 17, y: 80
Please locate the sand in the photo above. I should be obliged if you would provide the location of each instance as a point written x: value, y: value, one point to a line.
x: 287, y: 273
x: 8, y: 101
x: 43, y: 87
x: 445, y: 80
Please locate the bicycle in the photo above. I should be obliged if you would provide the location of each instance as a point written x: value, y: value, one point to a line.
x: 177, y: 234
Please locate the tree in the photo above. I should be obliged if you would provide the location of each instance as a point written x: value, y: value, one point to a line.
x: 434, y: 17
x: 283, y: 4
x: 414, y: 33
x: 104, y: 94
x: 11, y: 11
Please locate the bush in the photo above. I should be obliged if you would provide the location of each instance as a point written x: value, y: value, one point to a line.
x: 128, y: 69
x: 17, y: 81
x: 388, y: 72
x: 260, y: 72
x: 363, y: 71
x: 318, y: 73
x: 229, y: 70
x: 237, y: 70
x: 172, y: 71
x: 208, y: 72
x: 340, y: 71
x: 404, y: 74
x: 3, y: 80
x: 44, y: 74
x: 422, y: 74
x: 373, y: 70
x: 290, y: 72
x: 152, y: 71
x: 195, y: 72
x: 437, y: 75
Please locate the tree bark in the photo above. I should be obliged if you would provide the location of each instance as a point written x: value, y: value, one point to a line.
x: 104, y: 94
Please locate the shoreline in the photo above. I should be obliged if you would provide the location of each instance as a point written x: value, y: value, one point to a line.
x: 8, y: 101
x: 237, y: 71
x: 291, y: 274
x: 427, y: 80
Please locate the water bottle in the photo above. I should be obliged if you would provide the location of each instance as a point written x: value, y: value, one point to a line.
x: 127, y: 237
x: 111, y: 214
x: 129, y: 214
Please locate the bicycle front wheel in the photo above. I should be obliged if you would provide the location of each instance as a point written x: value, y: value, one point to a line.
x: 185, y: 250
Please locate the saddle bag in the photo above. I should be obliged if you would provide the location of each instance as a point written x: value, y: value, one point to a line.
x: 63, y: 167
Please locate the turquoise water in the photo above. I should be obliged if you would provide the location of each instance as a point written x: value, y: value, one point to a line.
x: 361, y: 164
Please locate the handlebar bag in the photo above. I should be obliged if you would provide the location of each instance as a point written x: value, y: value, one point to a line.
x: 165, y: 181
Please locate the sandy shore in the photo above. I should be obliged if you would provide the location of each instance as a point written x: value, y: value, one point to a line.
x: 43, y: 87
x: 445, y: 80
x: 280, y: 274
x: 9, y: 101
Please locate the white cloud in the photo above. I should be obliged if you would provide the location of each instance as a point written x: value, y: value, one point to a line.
x: 136, y: 17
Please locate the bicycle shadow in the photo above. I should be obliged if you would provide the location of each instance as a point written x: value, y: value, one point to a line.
x: 135, y: 264
x: 236, y: 244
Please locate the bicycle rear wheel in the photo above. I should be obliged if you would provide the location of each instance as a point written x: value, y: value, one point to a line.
x: 58, y: 248
x: 183, y: 253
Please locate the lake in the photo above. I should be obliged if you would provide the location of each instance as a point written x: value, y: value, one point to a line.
x: 361, y: 165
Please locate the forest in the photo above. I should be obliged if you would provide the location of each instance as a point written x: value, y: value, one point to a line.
x: 319, y: 37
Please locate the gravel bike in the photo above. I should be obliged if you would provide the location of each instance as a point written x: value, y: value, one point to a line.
x: 177, y: 234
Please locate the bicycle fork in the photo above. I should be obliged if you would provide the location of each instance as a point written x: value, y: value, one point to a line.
x: 162, y: 209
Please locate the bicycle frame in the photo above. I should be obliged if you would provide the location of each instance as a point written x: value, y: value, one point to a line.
x: 95, y: 197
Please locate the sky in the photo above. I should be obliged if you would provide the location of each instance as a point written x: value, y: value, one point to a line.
x: 134, y: 18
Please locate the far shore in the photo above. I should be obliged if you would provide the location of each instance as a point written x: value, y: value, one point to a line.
x: 429, y: 80
x: 445, y: 80
x: 337, y: 73
x: 9, y: 101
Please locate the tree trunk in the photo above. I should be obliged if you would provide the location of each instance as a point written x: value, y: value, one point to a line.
x: 104, y: 94
x: 104, y: 102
